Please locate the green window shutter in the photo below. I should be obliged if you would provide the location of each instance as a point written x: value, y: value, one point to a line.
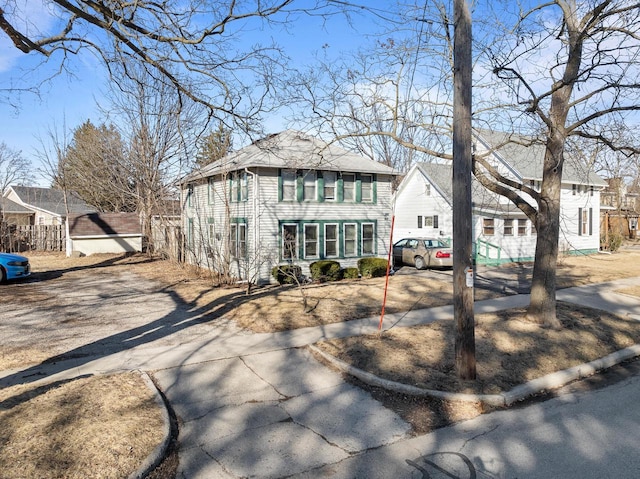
x: 280, y: 184
x: 340, y: 188
x: 579, y: 221
x: 590, y: 221
x: 374, y: 188
x: 320, y: 184
x: 299, y: 186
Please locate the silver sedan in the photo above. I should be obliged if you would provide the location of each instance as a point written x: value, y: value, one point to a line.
x: 422, y: 253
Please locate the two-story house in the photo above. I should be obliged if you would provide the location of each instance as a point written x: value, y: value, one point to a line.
x: 288, y: 198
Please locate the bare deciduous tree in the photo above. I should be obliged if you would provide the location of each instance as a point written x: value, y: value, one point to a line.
x: 192, y: 46
x: 558, y: 70
x: 571, y: 66
x: 14, y: 168
x: 157, y: 127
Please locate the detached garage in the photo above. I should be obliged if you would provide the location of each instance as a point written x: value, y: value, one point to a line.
x: 104, y: 233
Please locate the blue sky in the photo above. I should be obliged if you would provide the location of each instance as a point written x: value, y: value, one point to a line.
x: 69, y: 100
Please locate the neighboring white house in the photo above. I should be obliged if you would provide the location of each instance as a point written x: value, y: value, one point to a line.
x: 48, y: 205
x: 501, y: 232
x: 288, y: 198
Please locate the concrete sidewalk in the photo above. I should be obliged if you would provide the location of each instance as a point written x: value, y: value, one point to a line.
x: 265, y: 409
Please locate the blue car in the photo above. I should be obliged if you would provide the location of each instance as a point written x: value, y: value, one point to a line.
x: 13, y: 266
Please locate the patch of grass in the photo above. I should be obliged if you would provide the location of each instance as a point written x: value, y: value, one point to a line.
x: 509, y: 349
x: 100, y: 426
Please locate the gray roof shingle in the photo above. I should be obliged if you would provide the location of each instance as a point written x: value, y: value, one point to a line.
x: 292, y: 149
x: 51, y: 200
x: 11, y: 207
x: 526, y: 156
x: 441, y: 175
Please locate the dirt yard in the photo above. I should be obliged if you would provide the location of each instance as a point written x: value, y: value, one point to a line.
x: 509, y: 349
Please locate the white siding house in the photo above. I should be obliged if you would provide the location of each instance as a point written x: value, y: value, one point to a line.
x: 501, y: 232
x: 288, y: 198
x: 49, y: 206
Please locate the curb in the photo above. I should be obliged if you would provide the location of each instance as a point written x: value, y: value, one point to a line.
x: 519, y: 393
x: 157, y: 455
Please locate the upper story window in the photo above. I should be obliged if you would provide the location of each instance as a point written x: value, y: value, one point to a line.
x: 330, y: 183
x: 288, y: 185
x: 190, y: 195
x: 366, y: 185
x: 326, y: 186
x: 211, y: 190
x: 309, y: 186
x: 239, y: 186
x: 349, y: 186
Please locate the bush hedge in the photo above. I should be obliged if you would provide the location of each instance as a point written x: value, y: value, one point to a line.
x: 372, y: 267
x: 325, y: 270
x: 350, y: 273
x: 287, y: 273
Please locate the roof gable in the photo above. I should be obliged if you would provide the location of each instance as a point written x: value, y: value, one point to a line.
x: 292, y: 149
x: 441, y: 176
x: 11, y: 207
x: 50, y: 200
x: 525, y: 156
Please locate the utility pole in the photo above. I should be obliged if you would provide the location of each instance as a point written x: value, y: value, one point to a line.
x: 465, y: 346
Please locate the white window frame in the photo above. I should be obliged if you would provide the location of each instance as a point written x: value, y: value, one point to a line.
x: 289, y: 181
x: 244, y: 186
x: 315, y: 241
x: 488, y: 224
x: 238, y: 240
x: 239, y: 187
x: 348, y: 253
x: 309, y: 181
x: 522, y: 227
x: 369, y: 197
x: 335, y: 240
x: 365, y: 239
x: 349, y: 184
x: 286, y: 252
x: 507, y: 227
x: 330, y: 184
x: 234, y: 187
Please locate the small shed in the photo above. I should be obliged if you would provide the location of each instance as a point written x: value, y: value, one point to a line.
x: 105, y: 233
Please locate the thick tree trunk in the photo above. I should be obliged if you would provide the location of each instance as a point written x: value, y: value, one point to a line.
x: 542, y: 308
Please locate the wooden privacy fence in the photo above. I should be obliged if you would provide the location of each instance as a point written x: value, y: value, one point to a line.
x: 16, y: 238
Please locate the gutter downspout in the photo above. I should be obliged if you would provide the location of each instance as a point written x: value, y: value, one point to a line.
x: 255, y: 221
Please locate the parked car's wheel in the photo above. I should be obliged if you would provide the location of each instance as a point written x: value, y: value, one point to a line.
x: 420, y: 262
x: 3, y: 275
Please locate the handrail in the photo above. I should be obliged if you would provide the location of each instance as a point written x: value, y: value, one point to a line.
x: 483, y: 253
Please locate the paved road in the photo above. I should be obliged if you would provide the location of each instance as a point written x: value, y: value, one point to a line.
x: 256, y: 405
